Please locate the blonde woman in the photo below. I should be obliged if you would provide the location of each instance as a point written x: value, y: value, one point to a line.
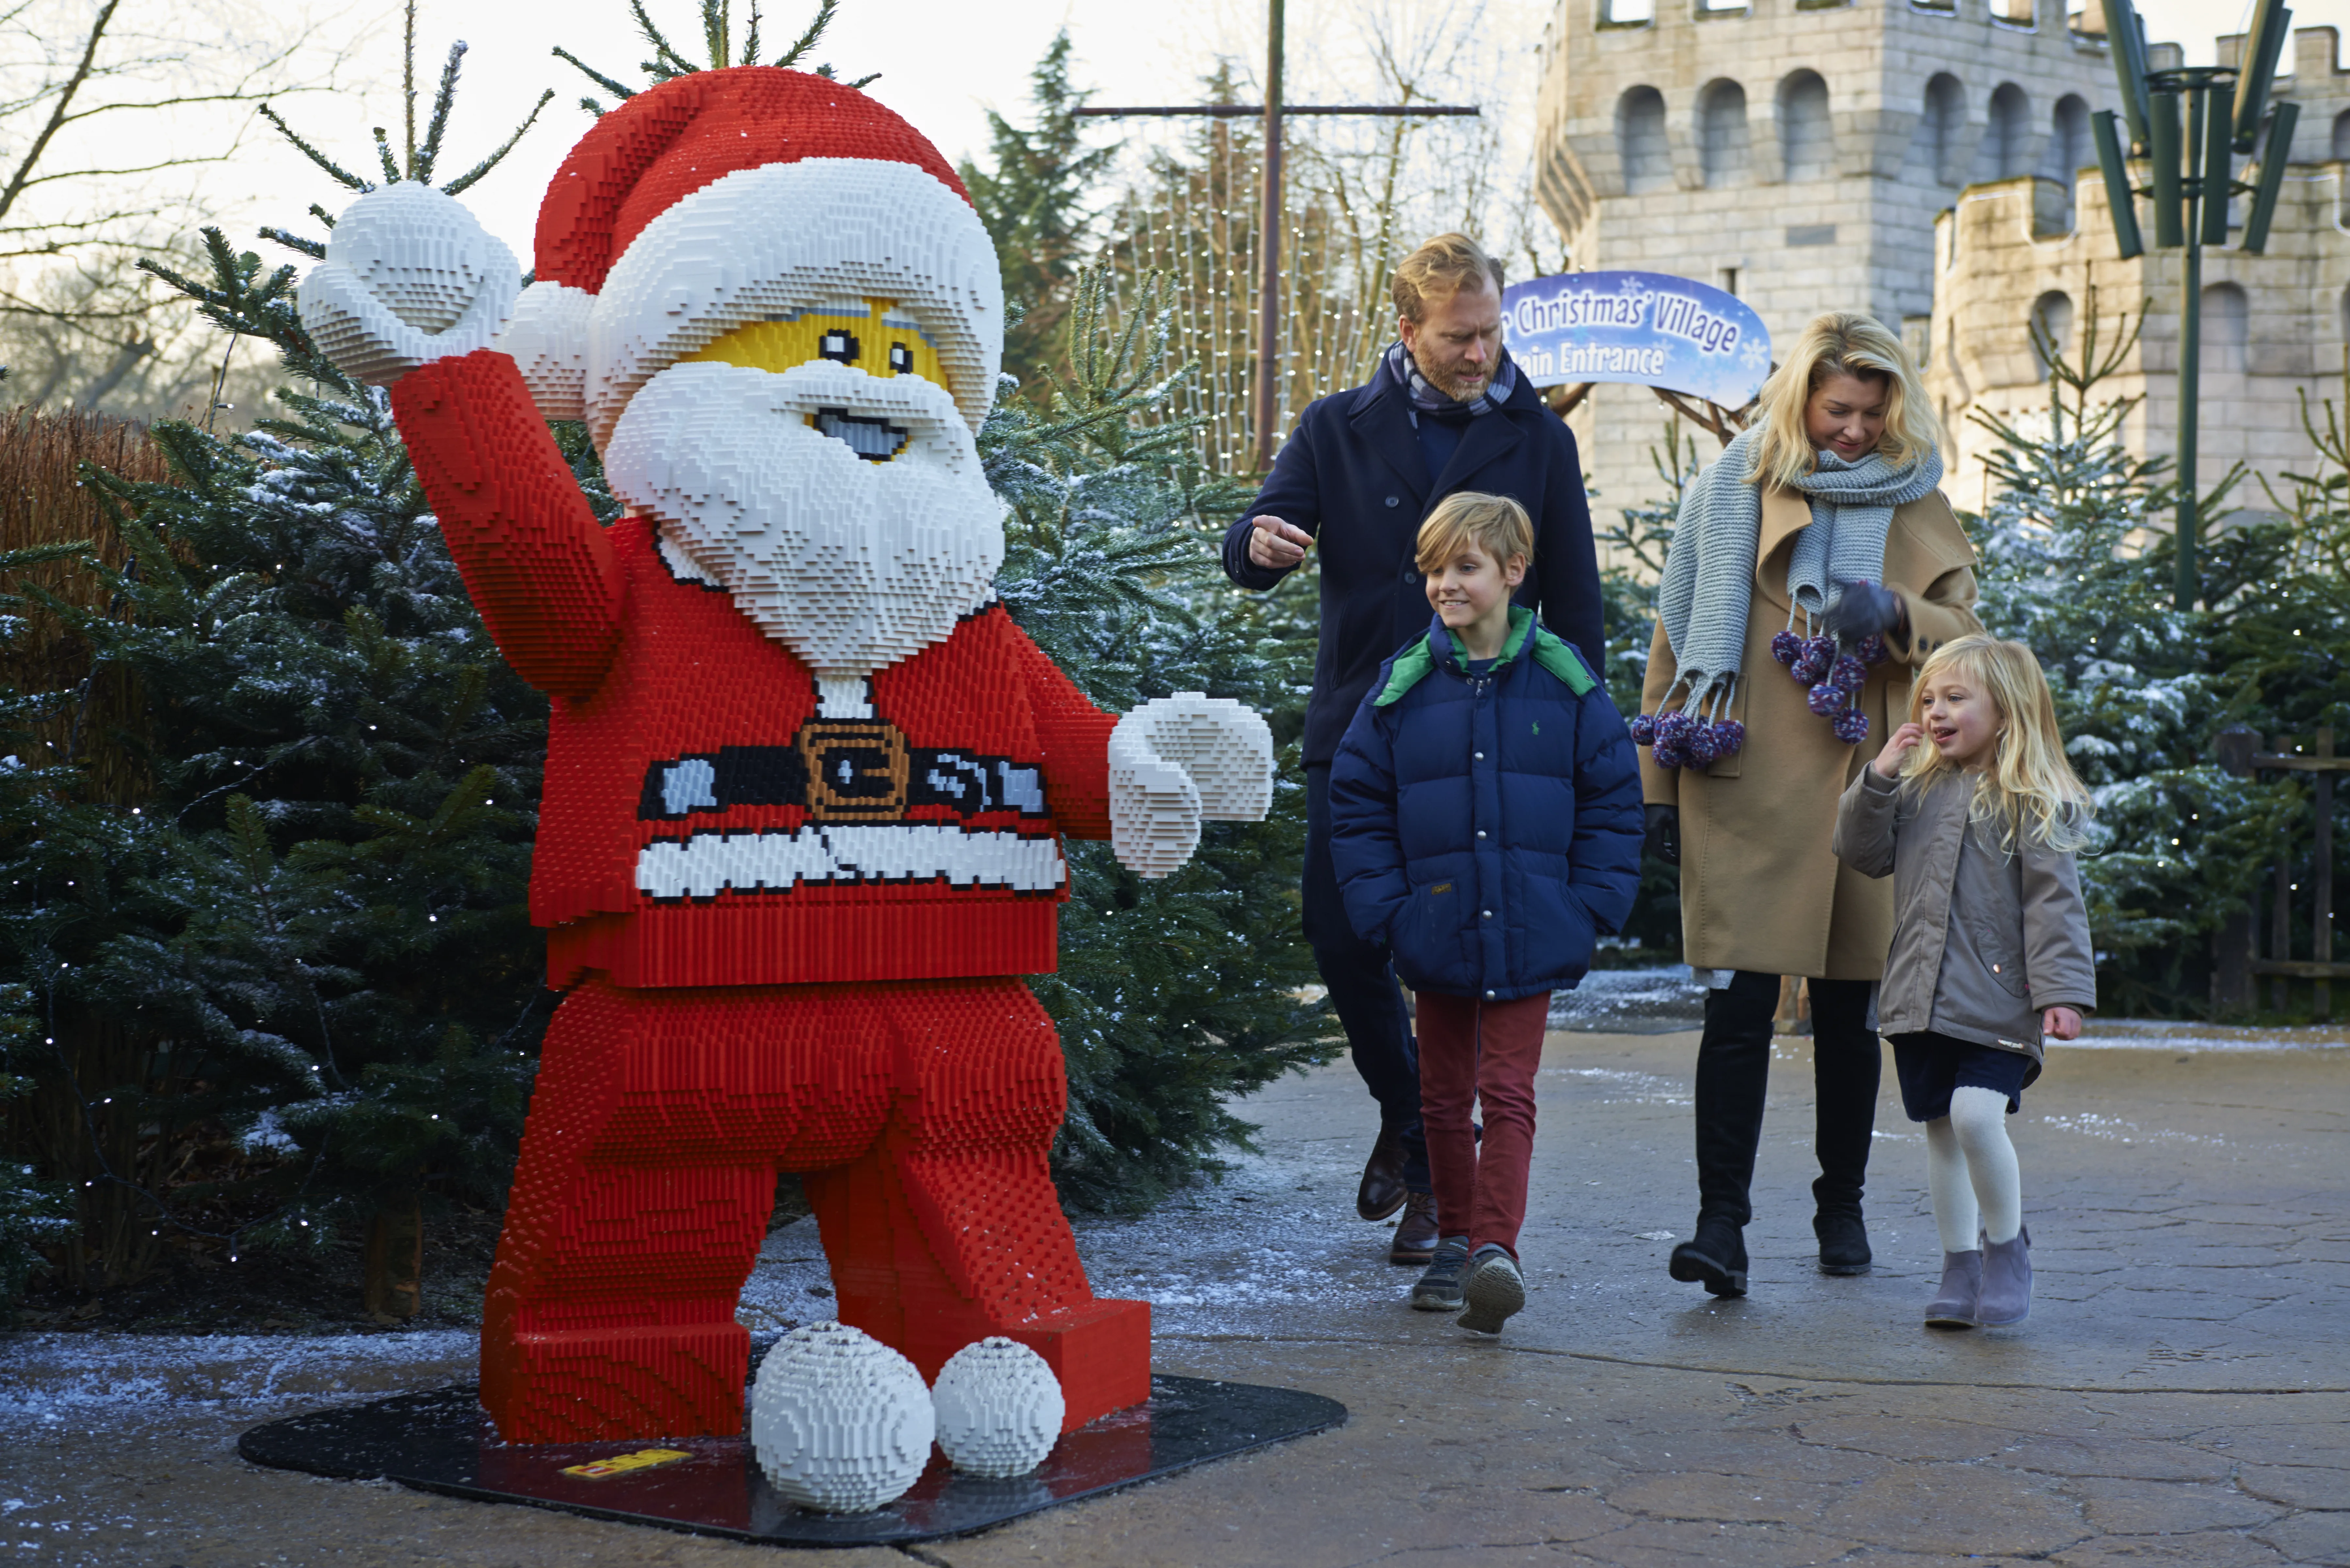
x: 1973, y: 811
x: 1817, y: 546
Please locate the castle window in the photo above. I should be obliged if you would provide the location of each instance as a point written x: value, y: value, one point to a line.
x: 1721, y: 134
x: 1640, y: 141
x: 2342, y: 135
x: 1627, y: 13
x: 2069, y: 150
x: 2006, y: 145
x: 2051, y: 323
x: 1941, y: 129
x: 2227, y: 328
x: 1806, y: 136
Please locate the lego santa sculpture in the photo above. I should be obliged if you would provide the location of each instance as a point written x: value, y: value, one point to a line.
x: 806, y: 782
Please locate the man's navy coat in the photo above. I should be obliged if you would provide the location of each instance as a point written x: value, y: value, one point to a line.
x: 1486, y: 827
x: 1352, y: 475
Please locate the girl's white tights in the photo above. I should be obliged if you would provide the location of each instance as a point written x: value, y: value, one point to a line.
x: 1971, y: 1171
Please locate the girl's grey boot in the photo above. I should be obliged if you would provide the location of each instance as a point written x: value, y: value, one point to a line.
x: 2006, y: 1281
x: 1962, y: 1277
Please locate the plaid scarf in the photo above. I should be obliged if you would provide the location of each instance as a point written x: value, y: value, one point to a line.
x: 1421, y: 397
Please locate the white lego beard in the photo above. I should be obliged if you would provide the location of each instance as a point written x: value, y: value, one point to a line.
x: 854, y: 565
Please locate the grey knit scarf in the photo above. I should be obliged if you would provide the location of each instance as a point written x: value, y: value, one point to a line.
x: 1709, y: 579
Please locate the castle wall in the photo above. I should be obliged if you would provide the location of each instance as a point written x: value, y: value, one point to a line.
x: 1840, y: 215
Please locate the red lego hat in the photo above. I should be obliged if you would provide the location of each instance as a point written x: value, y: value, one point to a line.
x: 721, y: 198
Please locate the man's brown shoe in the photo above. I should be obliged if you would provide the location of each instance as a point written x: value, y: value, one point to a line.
x: 1415, y: 1236
x: 1382, y: 1192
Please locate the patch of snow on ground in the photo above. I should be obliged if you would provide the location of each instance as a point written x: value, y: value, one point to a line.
x: 1652, y: 1000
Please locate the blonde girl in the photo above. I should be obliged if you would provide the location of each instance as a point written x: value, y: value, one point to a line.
x: 1974, y: 811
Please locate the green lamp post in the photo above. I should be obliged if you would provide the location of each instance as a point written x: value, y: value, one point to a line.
x: 2186, y: 127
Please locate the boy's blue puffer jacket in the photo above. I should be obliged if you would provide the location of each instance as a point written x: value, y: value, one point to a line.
x: 1487, y: 829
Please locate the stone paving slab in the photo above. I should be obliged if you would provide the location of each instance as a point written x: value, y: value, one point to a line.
x: 2179, y: 1397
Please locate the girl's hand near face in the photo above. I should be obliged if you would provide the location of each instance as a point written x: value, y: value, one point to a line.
x: 1889, y: 761
x: 2061, y: 1024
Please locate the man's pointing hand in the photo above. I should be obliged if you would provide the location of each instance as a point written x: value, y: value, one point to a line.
x: 1277, y: 545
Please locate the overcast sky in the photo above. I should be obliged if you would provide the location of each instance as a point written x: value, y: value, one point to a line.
x: 943, y: 63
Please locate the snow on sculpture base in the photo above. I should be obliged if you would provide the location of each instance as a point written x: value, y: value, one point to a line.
x: 441, y: 1441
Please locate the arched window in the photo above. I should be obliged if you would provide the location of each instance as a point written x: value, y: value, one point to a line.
x: 2069, y: 150
x: 1941, y: 127
x: 2342, y: 135
x: 2051, y: 322
x: 2004, y: 141
x: 1721, y: 134
x: 1640, y: 139
x: 1806, y: 138
x: 2227, y: 328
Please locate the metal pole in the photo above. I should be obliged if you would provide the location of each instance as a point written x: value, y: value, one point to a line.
x: 1268, y: 335
x: 2191, y: 348
x: 2321, y: 916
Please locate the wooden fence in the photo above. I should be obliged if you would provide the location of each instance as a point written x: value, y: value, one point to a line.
x: 2240, y: 963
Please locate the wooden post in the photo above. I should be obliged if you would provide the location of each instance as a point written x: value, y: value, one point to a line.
x: 2281, y: 910
x: 393, y: 1286
x: 2321, y: 920
x: 2232, y: 944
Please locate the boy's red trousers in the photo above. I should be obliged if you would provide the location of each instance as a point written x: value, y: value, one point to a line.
x: 921, y: 1112
x: 1477, y: 1055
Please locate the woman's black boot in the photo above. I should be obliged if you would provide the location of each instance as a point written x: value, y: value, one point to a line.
x: 1715, y: 1256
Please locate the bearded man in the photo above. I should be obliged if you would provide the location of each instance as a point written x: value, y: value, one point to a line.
x: 806, y: 782
x: 1447, y: 411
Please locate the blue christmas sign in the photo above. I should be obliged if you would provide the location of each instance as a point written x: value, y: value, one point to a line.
x: 1648, y: 328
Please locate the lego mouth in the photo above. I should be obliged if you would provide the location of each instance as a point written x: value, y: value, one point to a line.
x: 875, y: 441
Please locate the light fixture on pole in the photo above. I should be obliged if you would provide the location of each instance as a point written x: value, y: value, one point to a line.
x: 2187, y: 126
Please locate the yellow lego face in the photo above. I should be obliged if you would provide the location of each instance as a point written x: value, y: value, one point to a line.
x: 872, y: 335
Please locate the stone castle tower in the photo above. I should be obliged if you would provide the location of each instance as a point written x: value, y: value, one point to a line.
x: 1795, y: 153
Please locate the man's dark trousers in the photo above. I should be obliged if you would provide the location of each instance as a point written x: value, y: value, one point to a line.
x: 1363, y: 990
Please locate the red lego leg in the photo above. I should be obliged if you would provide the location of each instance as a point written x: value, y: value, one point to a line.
x: 641, y: 1195
x: 949, y: 1228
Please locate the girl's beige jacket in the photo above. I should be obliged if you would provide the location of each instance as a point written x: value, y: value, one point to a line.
x: 1761, y: 888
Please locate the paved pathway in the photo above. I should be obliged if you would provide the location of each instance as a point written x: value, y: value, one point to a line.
x: 2179, y: 1396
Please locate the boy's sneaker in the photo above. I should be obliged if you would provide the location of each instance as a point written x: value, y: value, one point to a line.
x: 1495, y: 1290
x: 1438, y: 1290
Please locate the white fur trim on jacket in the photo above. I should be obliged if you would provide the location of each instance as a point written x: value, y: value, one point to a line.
x: 548, y: 335
x: 787, y: 237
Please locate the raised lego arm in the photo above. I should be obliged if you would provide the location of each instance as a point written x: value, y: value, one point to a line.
x: 534, y: 556
x: 412, y: 293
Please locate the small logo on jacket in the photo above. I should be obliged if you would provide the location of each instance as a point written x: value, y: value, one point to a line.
x: 1441, y: 887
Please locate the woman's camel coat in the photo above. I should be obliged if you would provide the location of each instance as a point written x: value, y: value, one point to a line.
x: 1760, y: 888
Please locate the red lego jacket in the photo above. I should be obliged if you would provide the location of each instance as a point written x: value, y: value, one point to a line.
x: 702, y: 824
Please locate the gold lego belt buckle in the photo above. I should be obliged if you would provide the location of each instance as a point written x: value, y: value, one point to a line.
x: 625, y: 1464
x: 857, y: 770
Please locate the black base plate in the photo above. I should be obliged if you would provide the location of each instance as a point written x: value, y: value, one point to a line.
x: 441, y: 1441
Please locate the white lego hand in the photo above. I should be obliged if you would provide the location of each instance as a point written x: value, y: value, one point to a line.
x: 410, y: 276
x: 1176, y: 760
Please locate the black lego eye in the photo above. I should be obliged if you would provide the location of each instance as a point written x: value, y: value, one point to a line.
x: 841, y: 346
x: 902, y: 359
